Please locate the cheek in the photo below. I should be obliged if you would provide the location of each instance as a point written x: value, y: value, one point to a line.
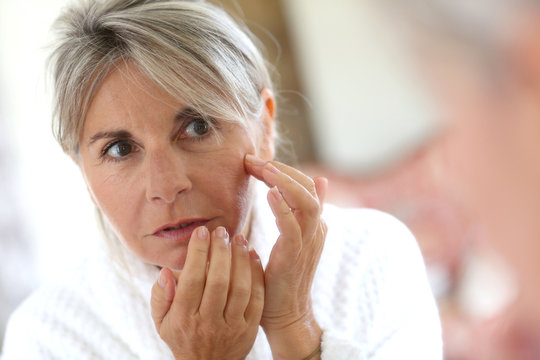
x: 231, y: 184
x: 115, y: 197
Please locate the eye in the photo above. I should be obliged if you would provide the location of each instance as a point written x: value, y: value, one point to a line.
x: 119, y: 149
x: 197, y: 127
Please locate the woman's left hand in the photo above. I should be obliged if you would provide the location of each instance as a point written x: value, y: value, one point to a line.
x: 296, y: 201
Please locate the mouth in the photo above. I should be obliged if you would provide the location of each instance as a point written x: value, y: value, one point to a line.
x: 180, y: 226
x: 180, y: 231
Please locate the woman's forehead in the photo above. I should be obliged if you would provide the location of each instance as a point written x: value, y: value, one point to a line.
x: 126, y: 94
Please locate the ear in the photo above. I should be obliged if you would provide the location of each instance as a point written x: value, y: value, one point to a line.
x: 266, y: 143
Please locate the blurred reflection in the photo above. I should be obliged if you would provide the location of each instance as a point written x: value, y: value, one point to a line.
x: 472, y: 194
x: 483, y: 60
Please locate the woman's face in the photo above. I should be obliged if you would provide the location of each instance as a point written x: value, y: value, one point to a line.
x: 158, y: 170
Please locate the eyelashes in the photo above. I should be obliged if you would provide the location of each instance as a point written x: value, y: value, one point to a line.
x: 193, y: 129
x: 117, y: 149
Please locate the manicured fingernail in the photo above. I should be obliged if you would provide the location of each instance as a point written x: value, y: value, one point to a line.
x: 221, y: 232
x: 202, y: 233
x: 240, y: 240
x: 162, y: 280
x: 254, y: 160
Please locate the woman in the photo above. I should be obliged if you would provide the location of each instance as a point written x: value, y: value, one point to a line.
x: 167, y: 108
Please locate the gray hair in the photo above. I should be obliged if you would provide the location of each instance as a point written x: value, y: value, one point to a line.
x: 190, y: 48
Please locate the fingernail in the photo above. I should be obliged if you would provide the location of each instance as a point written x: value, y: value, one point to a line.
x: 240, y: 240
x: 162, y: 281
x: 254, y: 160
x: 202, y: 233
x: 222, y: 232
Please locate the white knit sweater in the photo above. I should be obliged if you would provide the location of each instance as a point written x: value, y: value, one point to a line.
x: 370, y: 296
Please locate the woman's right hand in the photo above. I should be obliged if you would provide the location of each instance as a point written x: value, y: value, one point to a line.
x: 212, y: 308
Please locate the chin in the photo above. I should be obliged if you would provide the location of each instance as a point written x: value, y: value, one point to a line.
x: 176, y: 262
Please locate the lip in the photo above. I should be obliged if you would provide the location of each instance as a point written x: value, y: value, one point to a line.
x: 182, y: 234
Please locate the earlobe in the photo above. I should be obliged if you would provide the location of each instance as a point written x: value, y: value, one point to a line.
x: 267, y: 145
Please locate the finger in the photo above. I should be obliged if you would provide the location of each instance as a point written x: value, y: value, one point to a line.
x: 290, y: 239
x: 193, y: 276
x: 298, y: 176
x: 255, y: 167
x: 255, y: 306
x: 298, y: 189
x: 305, y: 206
x: 217, y: 281
x: 162, y: 296
x: 240, y: 286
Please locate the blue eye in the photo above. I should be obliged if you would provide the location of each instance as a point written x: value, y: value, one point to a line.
x: 197, y: 127
x: 119, y: 149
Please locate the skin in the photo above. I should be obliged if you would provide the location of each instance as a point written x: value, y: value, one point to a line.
x: 162, y: 181
x: 212, y: 293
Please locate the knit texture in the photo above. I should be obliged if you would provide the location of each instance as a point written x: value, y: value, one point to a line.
x: 370, y: 296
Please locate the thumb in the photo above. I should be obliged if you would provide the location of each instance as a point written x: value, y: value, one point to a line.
x: 162, y: 296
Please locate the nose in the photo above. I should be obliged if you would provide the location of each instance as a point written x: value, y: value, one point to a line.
x: 166, y: 176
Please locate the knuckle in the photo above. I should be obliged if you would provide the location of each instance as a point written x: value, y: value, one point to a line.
x: 200, y: 250
x: 313, y: 208
x: 242, y: 290
x: 257, y: 295
x: 284, y: 210
x: 219, y: 281
x: 288, y: 180
x: 189, y: 281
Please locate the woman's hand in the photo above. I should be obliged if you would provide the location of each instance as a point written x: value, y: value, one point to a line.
x: 212, y: 308
x: 296, y: 201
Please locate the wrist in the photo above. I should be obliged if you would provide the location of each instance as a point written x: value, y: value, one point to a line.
x: 297, y: 340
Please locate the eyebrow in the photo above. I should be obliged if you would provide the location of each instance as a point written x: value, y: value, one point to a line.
x: 119, y: 134
x: 186, y: 114
x: 182, y: 115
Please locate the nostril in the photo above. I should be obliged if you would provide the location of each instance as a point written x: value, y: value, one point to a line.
x: 166, y: 177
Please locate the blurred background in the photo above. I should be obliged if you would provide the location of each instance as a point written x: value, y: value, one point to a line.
x: 426, y: 109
